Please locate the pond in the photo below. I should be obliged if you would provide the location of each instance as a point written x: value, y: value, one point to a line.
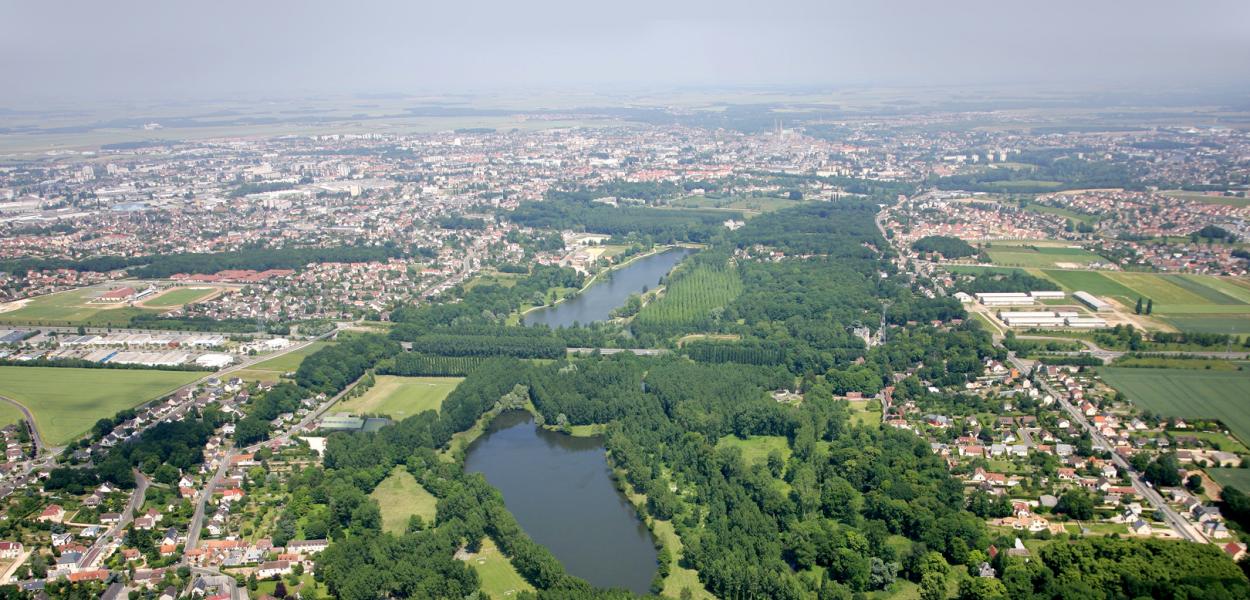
x: 609, y: 291
x: 560, y: 489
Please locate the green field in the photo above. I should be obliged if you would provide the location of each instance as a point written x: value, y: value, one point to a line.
x: 400, y: 496
x: 67, y: 402
x: 978, y: 269
x: 179, y: 296
x: 498, y: 577
x: 1040, y: 256
x: 1063, y: 212
x: 1239, y: 478
x: 1188, y: 393
x: 72, y: 308
x: 9, y: 414
x: 690, y: 298
x: 1200, y: 303
x: 757, y: 447
x: 290, y: 361
x: 402, y: 397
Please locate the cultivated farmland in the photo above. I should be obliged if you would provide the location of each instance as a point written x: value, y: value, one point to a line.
x: 178, y: 297
x: 67, y: 402
x: 1188, y: 393
x: 1040, y: 256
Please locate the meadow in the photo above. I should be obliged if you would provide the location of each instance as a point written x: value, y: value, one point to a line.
x: 71, y: 308
x: 691, y: 297
x: 498, y: 577
x: 400, y: 496
x: 290, y: 361
x: 757, y: 447
x: 402, y: 397
x: 67, y: 402
x: 1040, y: 256
x: 1198, y: 394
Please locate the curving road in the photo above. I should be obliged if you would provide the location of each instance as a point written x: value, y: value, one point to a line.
x: 30, y: 421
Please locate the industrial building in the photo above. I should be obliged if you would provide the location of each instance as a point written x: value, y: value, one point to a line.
x: 1091, y: 301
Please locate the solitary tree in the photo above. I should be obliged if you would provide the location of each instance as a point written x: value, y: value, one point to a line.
x: 1150, y: 306
x: 1137, y: 310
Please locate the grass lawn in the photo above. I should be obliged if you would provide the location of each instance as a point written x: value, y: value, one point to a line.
x: 498, y: 577
x: 400, y: 497
x: 1157, y: 362
x: 758, y: 447
x: 1188, y: 393
x: 679, y: 577
x: 1238, y: 478
x: 67, y: 402
x: 1218, y: 440
x: 865, y: 412
x: 255, y: 375
x: 1093, y: 282
x: 307, y: 588
x: 179, y: 296
x: 401, y: 397
x: 71, y: 308
x: 978, y: 269
x: 290, y: 361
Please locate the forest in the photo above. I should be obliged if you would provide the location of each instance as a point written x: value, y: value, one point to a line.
x: 949, y: 247
x: 664, y: 226
x: 161, y: 266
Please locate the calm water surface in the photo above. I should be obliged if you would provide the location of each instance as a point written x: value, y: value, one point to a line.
x: 560, y: 490
x: 607, y: 293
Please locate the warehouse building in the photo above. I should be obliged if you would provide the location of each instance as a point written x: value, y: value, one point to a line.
x: 1091, y: 301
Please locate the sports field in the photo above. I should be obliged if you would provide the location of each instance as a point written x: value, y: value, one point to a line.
x: 69, y: 309
x: 1041, y: 256
x: 178, y: 297
x: 402, y: 397
x: 67, y: 402
x: 400, y: 496
x: 1188, y: 393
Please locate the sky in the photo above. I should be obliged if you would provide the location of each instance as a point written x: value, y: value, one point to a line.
x: 123, y: 49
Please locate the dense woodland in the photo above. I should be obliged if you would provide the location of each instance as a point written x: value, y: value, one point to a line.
x: 578, y: 211
x: 164, y: 265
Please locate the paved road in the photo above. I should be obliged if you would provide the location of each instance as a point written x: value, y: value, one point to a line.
x: 30, y: 421
x: 1177, y: 522
x: 197, y: 521
x: 114, y: 533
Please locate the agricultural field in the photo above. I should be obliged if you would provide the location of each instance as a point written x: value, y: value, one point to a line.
x: 498, y: 577
x: 1062, y: 212
x: 1197, y: 394
x: 400, y: 496
x: 179, y: 296
x: 749, y: 206
x: 1041, y: 256
x: 69, y: 309
x: 757, y: 447
x: 67, y: 402
x: 402, y: 397
x: 1207, y: 199
x: 690, y: 298
x: 1238, y: 478
x: 1188, y: 302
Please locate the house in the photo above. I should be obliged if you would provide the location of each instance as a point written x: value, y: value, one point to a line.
x: 110, y: 518
x: 1139, y: 527
x: 52, y: 514
x: 10, y: 549
x: 231, y: 494
x: 93, y: 575
x: 273, y: 568
x: 306, y: 547
x: 1215, y: 530
x: 1235, y: 550
x: 61, y: 539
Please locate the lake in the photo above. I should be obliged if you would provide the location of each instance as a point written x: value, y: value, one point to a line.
x: 560, y: 490
x: 609, y: 291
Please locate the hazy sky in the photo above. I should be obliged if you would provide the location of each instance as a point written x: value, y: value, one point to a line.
x: 153, y: 49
